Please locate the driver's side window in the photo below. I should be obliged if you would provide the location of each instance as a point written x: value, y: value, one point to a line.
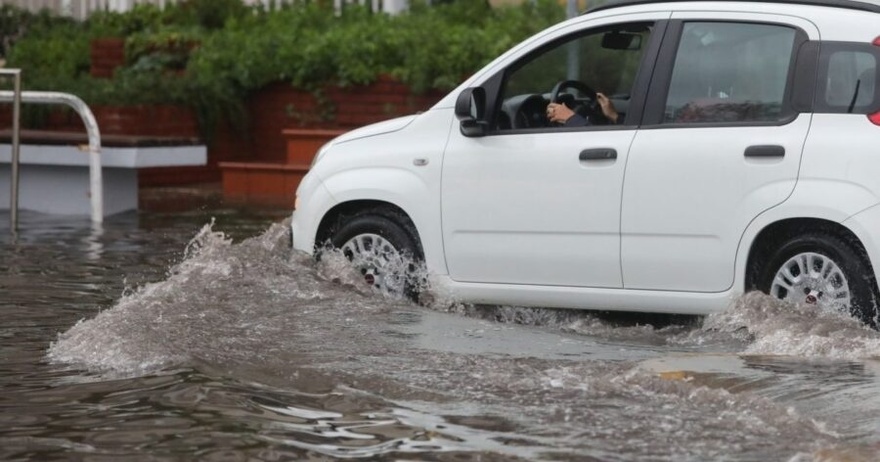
x: 603, y: 61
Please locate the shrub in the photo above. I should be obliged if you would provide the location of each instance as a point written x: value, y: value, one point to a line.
x: 229, y: 50
x: 427, y: 47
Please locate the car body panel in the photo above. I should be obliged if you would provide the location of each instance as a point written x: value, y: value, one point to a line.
x: 689, y: 221
x: 647, y: 301
x: 498, y: 221
x: 865, y: 225
x: 313, y: 202
x: 399, y: 167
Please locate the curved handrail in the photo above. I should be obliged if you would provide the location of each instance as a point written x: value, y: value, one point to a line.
x: 94, y: 148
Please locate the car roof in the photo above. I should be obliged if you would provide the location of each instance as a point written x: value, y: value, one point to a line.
x: 873, y: 7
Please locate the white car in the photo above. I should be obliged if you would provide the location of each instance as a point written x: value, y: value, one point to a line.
x: 746, y: 156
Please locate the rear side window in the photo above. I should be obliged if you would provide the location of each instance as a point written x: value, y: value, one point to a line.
x: 729, y: 72
x: 848, y: 78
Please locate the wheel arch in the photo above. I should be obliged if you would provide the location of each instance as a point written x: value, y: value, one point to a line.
x: 775, y: 234
x: 332, y: 220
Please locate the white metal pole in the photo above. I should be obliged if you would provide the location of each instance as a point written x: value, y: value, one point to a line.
x: 16, y: 146
x: 572, y: 9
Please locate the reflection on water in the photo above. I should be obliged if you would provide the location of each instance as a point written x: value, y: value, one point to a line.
x: 201, y: 336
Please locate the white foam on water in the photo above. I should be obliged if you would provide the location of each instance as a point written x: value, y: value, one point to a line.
x: 256, y: 301
x: 147, y: 328
x: 775, y: 327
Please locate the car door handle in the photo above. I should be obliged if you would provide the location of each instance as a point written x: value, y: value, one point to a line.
x: 768, y: 150
x: 598, y: 154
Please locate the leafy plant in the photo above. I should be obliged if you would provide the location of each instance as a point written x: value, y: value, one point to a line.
x: 49, y: 52
x: 209, y: 14
x: 16, y: 23
x: 428, y: 47
x: 212, y: 54
x: 167, y: 49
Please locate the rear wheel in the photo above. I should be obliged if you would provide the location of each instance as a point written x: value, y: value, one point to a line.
x: 383, y: 247
x: 825, y: 270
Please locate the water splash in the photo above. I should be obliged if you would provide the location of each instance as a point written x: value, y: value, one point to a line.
x: 753, y: 324
x: 161, y: 324
x: 253, y: 302
x: 775, y: 327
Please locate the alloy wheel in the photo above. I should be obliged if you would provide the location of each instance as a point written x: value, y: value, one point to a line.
x: 812, y: 278
x: 381, y: 264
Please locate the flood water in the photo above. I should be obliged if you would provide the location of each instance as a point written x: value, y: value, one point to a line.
x: 200, y: 336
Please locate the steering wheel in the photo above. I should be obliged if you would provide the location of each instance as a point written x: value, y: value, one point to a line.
x: 594, y: 111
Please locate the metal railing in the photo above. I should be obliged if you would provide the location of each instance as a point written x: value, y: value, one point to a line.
x: 96, y: 190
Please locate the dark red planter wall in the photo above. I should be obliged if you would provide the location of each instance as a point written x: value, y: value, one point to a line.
x: 106, y: 54
x: 281, y: 106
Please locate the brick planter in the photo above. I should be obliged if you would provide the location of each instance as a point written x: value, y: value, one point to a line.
x: 147, y: 120
x: 289, y: 125
x: 106, y: 54
x: 262, y: 183
x: 274, y: 183
x: 280, y: 106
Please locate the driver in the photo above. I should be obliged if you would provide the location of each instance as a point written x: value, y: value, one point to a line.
x: 562, y: 114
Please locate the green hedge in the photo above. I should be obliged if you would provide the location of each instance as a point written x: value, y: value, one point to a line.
x: 427, y: 48
x: 229, y: 50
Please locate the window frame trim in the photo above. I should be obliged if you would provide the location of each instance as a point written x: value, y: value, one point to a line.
x: 495, y: 85
x: 658, y: 93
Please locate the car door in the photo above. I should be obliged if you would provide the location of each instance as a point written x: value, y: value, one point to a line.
x: 531, y: 203
x: 721, y: 142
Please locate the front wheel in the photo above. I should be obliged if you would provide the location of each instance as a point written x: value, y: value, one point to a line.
x: 824, y: 270
x: 385, y: 251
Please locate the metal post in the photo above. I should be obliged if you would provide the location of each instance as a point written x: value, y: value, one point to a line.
x: 16, y: 144
x: 572, y: 9
x: 16, y: 148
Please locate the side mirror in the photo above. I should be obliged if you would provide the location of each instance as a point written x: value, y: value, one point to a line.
x: 470, y: 109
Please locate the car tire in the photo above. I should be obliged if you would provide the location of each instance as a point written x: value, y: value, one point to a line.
x: 838, y: 275
x: 383, y: 246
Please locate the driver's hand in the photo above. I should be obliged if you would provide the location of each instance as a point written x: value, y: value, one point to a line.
x: 558, y: 113
x: 607, y: 107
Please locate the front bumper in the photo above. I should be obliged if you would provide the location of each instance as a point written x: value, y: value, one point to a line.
x: 313, y: 200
